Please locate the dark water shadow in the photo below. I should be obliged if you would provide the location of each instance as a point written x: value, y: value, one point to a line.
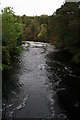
x: 66, y: 81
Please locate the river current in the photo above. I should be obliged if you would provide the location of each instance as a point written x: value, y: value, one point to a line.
x: 32, y: 85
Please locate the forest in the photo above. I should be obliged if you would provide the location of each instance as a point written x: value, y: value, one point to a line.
x: 61, y: 29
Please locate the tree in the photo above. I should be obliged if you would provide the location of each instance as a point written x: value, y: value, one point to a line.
x: 11, y: 34
x: 42, y: 36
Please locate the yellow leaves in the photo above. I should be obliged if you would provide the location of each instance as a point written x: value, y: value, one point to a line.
x: 39, y: 35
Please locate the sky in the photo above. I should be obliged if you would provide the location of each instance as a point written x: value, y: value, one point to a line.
x: 32, y: 7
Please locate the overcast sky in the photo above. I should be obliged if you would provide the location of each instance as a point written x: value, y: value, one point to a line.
x: 32, y: 7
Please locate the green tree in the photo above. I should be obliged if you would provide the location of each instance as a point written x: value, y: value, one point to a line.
x: 65, y: 27
x: 11, y: 34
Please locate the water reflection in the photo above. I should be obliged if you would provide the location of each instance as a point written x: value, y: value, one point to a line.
x: 66, y: 82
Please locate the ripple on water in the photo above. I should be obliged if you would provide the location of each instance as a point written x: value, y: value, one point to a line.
x: 10, y: 111
x: 33, y: 74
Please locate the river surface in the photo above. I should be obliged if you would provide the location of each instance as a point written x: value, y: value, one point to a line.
x: 30, y: 90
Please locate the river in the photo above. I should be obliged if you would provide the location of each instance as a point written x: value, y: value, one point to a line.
x: 32, y: 85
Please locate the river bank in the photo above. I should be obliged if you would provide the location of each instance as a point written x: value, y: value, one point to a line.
x: 69, y: 86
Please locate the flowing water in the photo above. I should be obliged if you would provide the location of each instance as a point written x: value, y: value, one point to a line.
x: 30, y: 90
